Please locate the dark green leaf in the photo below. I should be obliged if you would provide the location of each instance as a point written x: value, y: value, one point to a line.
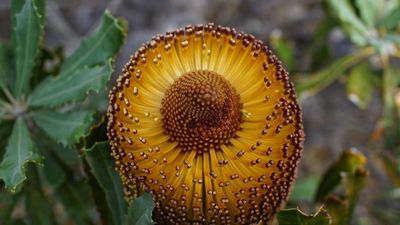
x: 97, y: 48
x: 52, y: 172
x: 354, y: 27
x: 7, y: 204
x: 38, y: 208
x: 76, y: 199
x: 5, y: 130
x: 19, y: 152
x: 360, y: 85
x: 392, y: 20
x: 309, y: 85
x: 6, y: 65
x: 73, y: 87
x: 349, y: 161
x: 102, y: 167
x: 390, y: 83
x: 140, y: 211
x: 28, y: 35
x: 65, y: 128
x: 297, y: 217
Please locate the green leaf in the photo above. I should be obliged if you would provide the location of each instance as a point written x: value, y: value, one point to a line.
x: 98, y: 47
x: 353, y: 26
x: 354, y: 184
x: 52, y: 172
x: 6, y: 65
x: 76, y: 199
x: 5, y: 130
x: 348, y: 162
x: 284, y: 50
x: 19, y: 152
x: 390, y: 82
x: 368, y: 11
x: 38, y: 208
x: 7, y: 204
x: 360, y: 85
x: 102, y: 167
x: 65, y: 128
x: 310, y: 85
x: 140, y: 211
x: 28, y: 35
x: 304, y: 189
x: 62, y: 89
x: 392, y: 20
x: 297, y: 217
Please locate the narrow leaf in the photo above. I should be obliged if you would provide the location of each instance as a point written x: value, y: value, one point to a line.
x: 19, y: 152
x: 7, y: 204
x: 38, y: 208
x: 392, y: 20
x: 76, y: 199
x: 297, y: 217
x: 349, y: 161
x: 390, y: 82
x: 368, y: 11
x: 310, y: 85
x: 360, y: 85
x: 102, y: 167
x: 62, y: 89
x: 98, y: 47
x: 65, y: 128
x: 28, y: 34
x: 354, y: 27
x: 6, y: 65
x: 140, y: 211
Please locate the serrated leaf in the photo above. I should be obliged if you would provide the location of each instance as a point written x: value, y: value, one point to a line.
x: 310, y: 85
x: 38, y: 208
x: 297, y: 217
x: 98, y: 47
x: 6, y: 65
x: 19, y: 152
x: 66, y: 128
x: 360, y: 85
x: 140, y: 211
x: 353, y: 26
x: 102, y: 167
x: 348, y: 162
x: 62, y: 89
x: 28, y: 34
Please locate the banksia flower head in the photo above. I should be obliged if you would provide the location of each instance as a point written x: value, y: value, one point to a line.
x: 205, y: 118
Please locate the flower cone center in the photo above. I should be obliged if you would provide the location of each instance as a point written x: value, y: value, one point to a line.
x: 201, y: 111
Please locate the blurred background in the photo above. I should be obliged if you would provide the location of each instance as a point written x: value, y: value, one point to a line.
x: 307, y: 36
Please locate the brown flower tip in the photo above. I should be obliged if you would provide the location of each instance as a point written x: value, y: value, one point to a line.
x: 206, y: 119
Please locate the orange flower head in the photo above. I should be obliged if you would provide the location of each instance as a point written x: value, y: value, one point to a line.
x: 206, y: 119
